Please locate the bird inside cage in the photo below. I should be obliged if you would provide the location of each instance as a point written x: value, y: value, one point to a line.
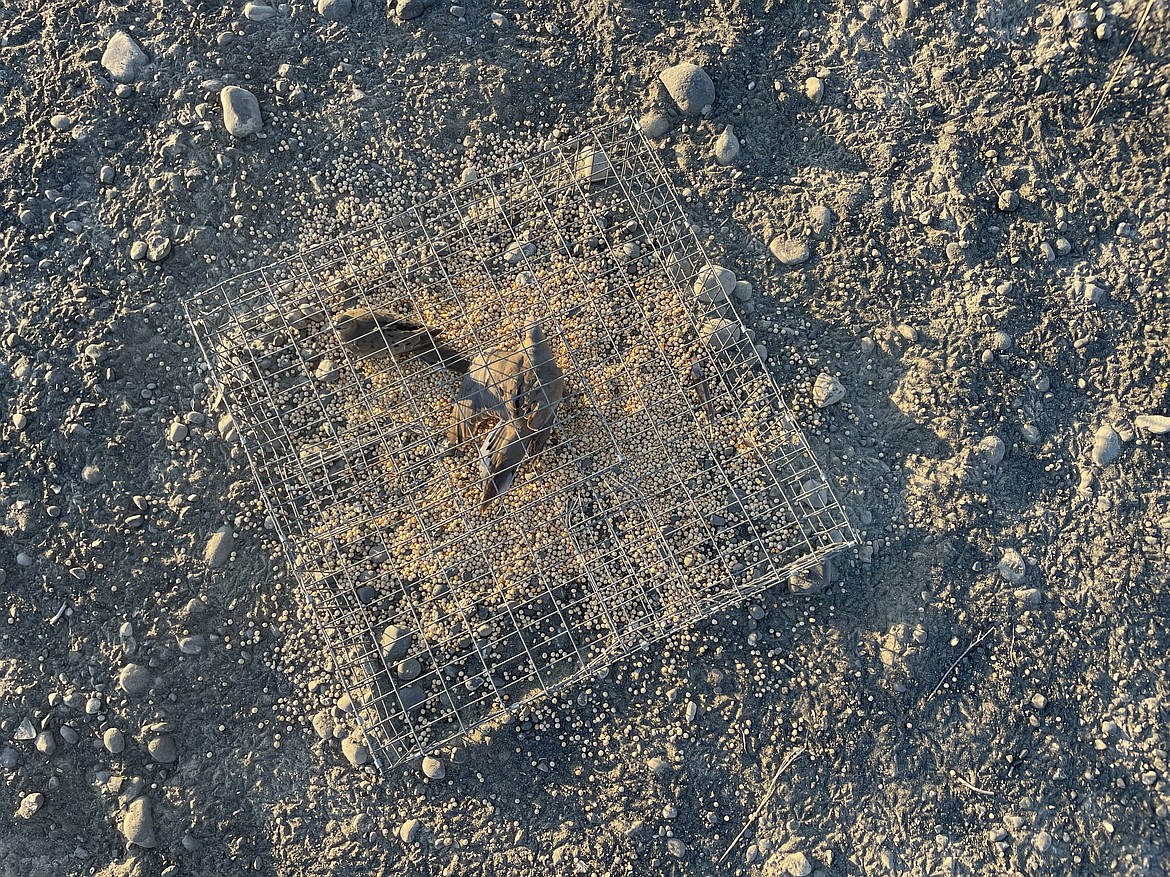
x: 520, y: 390
x: 366, y: 332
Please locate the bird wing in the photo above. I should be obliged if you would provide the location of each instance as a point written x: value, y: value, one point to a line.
x: 542, y: 393
x: 500, y: 455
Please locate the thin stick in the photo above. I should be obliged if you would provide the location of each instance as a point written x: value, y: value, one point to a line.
x: 791, y: 757
x: 1120, y: 61
x: 951, y: 668
x: 974, y: 788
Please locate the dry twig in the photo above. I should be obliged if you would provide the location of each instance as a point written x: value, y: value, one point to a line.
x: 955, y: 664
x: 1117, y: 67
x: 791, y: 757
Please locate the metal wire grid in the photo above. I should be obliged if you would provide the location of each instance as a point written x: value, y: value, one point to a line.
x: 649, y: 510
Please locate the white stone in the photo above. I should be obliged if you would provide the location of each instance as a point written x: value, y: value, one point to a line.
x: 1106, y: 445
x: 593, y: 165
x: 241, y: 111
x: 1158, y: 424
x: 122, y: 57
x: 814, y: 89
x: 789, y: 252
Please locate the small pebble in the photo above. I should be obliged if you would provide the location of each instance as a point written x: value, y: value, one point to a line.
x: 726, y: 147
x: 1156, y: 424
x: 410, y: 9
x: 655, y: 125
x: 355, y: 752
x: 814, y: 89
x: 138, y: 251
x: 1012, y: 567
x: 408, y: 669
x: 433, y: 768
x: 820, y: 220
x: 1009, y: 201
x: 177, y: 431
x: 61, y: 122
x: 29, y: 805
x: 46, y: 744
x: 106, y: 175
x: 258, y: 12
x: 714, y: 284
x: 677, y: 848
x: 827, y: 390
x: 335, y: 10
x: 992, y: 450
x: 408, y: 831
x: 395, y: 643
x: 158, y: 248
x: 1106, y: 445
x: 191, y: 645
x: 162, y: 749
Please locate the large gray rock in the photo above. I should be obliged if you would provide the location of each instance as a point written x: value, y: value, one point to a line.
x: 138, y: 824
x: 122, y: 57
x: 241, y: 111
x: 335, y: 9
x: 689, y: 86
x: 219, y: 547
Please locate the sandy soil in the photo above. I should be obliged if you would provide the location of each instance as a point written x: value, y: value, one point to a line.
x: 982, y: 691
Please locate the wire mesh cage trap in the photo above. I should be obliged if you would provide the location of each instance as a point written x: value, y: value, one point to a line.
x: 674, y: 482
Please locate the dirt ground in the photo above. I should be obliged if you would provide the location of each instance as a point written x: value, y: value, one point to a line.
x: 983, y: 690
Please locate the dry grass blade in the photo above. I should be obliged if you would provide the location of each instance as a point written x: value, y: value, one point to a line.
x: 1120, y: 61
x: 957, y: 660
x: 791, y: 757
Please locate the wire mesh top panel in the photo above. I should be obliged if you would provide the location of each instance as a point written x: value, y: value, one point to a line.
x: 674, y: 480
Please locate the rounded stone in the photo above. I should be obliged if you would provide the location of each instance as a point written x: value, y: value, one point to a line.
x: 162, y: 749
x: 355, y: 752
x: 689, y: 86
x: 409, y: 829
x: 408, y: 669
x: 789, y: 252
x: 827, y: 390
x: 335, y: 10
x: 241, y: 111
x: 138, y: 824
x: 134, y: 679
x: 122, y: 57
x: 1106, y: 445
x: 433, y: 768
x: 395, y: 643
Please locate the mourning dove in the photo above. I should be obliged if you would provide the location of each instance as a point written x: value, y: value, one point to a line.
x: 366, y: 332
x: 519, y: 388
